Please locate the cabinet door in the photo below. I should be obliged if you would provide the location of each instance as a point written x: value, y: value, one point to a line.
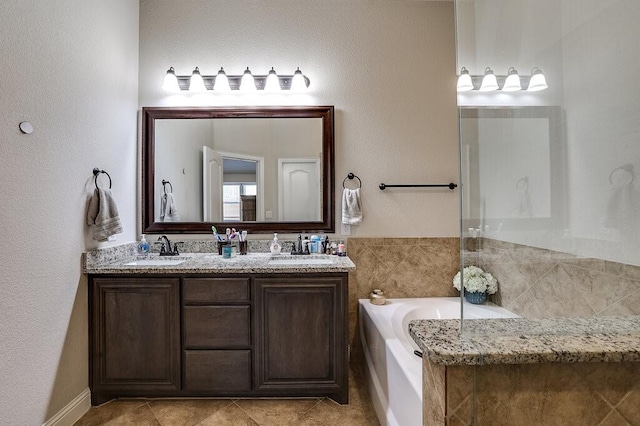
x: 135, y: 335
x: 300, y: 331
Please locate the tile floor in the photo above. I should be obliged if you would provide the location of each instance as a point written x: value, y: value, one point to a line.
x: 228, y: 412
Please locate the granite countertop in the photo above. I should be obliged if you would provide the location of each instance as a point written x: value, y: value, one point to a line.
x: 214, y: 263
x: 527, y: 341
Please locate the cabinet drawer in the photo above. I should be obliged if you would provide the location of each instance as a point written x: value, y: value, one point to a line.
x: 215, y: 290
x: 221, y: 371
x: 217, y: 327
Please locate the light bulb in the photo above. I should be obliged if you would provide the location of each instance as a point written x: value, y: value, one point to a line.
x: 297, y: 82
x: 512, y: 83
x: 273, y: 83
x: 538, y: 81
x: 171, y: 81
x: 196, y: 83
x: 489, y: 81
x: 247, y: 83
x: 464, y: 81
x: 222, y: 82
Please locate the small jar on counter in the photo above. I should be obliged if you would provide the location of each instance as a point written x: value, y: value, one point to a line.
x: 377, y: 297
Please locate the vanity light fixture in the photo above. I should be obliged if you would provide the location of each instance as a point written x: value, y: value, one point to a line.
x: 297, y: 82
x: 196, y: 83
x: 272, y: 83
x: 464, y: 81
x: 538, y: 81
x: 171, y: 81
x: 247, y: 83
x: 489, y: 81
x: 221, y: 82
x: 512, y: 83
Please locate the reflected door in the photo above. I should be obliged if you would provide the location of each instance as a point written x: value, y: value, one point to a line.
x: 211, y: 185
x: 299, y: 194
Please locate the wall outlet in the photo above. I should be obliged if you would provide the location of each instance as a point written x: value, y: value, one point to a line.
x: 345, y: 229
x: 268, y: 214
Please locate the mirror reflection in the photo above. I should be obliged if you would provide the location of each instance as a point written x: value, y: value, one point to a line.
x: 253, y: 169
x: 250, y: 167
x: 528, y: 187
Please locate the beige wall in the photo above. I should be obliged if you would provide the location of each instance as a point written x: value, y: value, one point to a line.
x: 70, y: 68
x: 387, y: 66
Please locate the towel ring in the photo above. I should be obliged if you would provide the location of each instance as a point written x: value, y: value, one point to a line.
x: 96, y: 172
x: 627, y: 168
x: 350, y: 176
x: 525, y: 183
x: 164, y: 186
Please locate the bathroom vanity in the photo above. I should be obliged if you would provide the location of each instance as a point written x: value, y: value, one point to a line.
x: 209, y: 327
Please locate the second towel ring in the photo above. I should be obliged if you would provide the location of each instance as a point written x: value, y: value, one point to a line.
x: 350, y: 176
x: 96, y: 172
x: 627, y: 168
x: 164, y: 186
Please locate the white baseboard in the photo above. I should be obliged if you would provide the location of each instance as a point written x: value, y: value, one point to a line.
x: 72, y: 412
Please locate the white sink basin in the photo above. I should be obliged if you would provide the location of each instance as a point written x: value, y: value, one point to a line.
x: 166, y: 261
x: 302, y: 260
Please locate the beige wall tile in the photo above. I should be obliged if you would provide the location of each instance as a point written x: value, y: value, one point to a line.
x: 536, y: 282
x: 629, y: 408
x: 549, y: 394
x: 433, y: 393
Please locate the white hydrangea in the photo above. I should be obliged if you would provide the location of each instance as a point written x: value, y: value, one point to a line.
x: 476, y: 280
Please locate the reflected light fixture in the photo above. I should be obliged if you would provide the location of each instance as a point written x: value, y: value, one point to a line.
x: 272, y: 83
x: 247, y: 84
x: 222, y: 82
x: 464, y: 81
x: 171, y: 81
x: 298, y: 83
x: 538, y: 81
x: 197, y: 83
x: 489, y: 81
x: 512, y: 83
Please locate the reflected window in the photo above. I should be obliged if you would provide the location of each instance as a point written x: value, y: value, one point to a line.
x: 231, y: 193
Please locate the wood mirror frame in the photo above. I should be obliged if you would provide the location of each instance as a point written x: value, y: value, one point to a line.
x: 150, y: 114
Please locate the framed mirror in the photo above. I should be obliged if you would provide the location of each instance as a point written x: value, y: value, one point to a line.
x: 259, y: 169
x: 526, y: 192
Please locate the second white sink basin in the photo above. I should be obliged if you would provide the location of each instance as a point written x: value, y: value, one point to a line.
x: 302, y: 260
x: 166, y: 261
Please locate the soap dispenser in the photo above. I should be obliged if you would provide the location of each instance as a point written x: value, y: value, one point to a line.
x: 143, y: 246
x: 275, y: 246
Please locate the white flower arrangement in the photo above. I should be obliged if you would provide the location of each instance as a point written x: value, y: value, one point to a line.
x: 476, y: 281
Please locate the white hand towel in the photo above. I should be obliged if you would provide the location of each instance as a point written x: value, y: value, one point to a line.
x: 102, y: 215
x: 168, y: 210
x: 351, y: 207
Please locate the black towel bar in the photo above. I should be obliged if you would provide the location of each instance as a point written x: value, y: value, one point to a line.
x: 451, y: 186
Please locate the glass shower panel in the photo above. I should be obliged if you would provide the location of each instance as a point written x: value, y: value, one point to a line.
x: 550, y: 199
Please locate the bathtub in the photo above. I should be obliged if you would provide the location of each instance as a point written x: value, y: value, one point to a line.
x: 393, y: 372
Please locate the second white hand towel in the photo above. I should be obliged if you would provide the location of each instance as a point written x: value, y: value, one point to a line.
x: 351, y: 207
x: 168, y: 210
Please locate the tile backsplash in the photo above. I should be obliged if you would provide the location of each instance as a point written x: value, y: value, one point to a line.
x: 541, y: 283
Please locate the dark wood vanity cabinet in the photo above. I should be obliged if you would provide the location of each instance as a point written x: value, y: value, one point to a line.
x: 301, y: 335
x: 225, y: 335
x: 134, y: 337
x: 216, y: 334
